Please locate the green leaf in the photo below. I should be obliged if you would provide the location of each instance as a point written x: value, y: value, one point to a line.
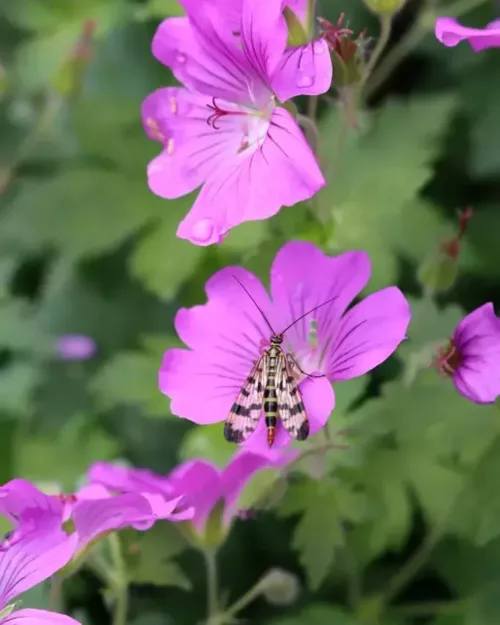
x: 162, y: 261
x: 319, y: 531
x: 63, y: 456
x: 19, y: 329
x: 368, y: 194
x: 207, y: 441
x: 67, y: 211
x: 257, y: 487
x: 132, y: 378
x: 17, y: 385
x: 148, y: 555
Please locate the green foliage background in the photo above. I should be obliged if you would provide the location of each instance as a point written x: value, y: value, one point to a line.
x: 85, y: 247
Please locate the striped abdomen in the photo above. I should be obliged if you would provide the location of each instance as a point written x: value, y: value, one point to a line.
x: 270, y: 396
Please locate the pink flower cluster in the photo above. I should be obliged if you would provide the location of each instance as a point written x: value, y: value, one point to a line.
x: 113, y: 499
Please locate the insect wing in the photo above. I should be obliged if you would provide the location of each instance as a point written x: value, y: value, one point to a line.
x: 290, y: 405
x: 246, y: 410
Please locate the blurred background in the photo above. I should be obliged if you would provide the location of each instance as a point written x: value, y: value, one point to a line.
x: 87, y: 249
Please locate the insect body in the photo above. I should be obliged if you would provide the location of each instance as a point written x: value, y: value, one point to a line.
x: 271, y: 387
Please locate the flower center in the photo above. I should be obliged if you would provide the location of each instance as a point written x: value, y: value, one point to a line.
x: 254, y: 121
x: 449, y: 359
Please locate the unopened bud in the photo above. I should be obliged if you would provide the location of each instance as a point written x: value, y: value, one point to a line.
x: 348, y: 54
x: 439, y: 271
x: 282, y: 588
x: 385, y: 7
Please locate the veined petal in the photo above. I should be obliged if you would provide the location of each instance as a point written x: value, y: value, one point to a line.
x: 204, y: 60
x: 303, y: 70
x: 127, y: 480
x: 193, y: 148
x: 280, y: 172
x: 263, y: 35
x: 30, y: 616
x: 18, y: 496
x: 319, y: 401
x: 36, y: 556
x: 303, y: 277
x: 368, y: 334
x: 226, y: 336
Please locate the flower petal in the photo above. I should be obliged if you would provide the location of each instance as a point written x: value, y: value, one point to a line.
x: 368, y: 334
x: 200, y: 484
x: 303, y: 70
x: 225, y: 335
x: 36, y: 556
x: 95, y: 517
x: 303, y: 277
x: 243, y: 466
x: 478, y: 339
x: 450, y: 33
x: 30, y: 616
x: 19, y: 496
x: 128, y: 480
x: 204, y: 60
x: 280, y: 172
x: 319, y: 401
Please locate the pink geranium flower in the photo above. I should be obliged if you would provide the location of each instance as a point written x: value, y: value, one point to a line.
x: 472, y: 357
x: 94, y: 510
x: 227, y: 129
x: 451, y: 33
x: 33, y: 557
x: 227, y: 335
x: 201, y: 483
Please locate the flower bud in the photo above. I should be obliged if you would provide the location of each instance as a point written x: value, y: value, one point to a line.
x: 385, y: 7
x: 439, y: 271
x: 282, y: 588
x: 348, y: 55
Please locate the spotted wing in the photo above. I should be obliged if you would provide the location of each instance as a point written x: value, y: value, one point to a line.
x: 246, y: 410
x: 290, y: 405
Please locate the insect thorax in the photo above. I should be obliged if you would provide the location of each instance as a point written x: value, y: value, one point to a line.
x: 276, y: 340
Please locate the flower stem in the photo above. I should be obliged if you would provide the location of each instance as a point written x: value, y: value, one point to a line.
x: 119, y: 585
x: 383, y: 40
x: 228, y: 615
x: 55, y: 593
x: 431, y: 608
x: 212, y: 583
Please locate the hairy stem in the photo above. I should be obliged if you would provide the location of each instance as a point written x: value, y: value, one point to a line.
x: 383, y: 40
x: 55, y: 593
x: 229, y: 614
x: 120, y: 581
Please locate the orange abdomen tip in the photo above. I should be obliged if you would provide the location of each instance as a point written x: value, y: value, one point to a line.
x: 271, y: 432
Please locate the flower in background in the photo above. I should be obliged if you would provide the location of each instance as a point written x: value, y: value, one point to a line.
x: 202, y: 484
x: 227, y: 130
x: 76, y: 347
x: 227, y: 335
x: 472, y: 357
x: 39, y: 552
x: 451, y: 33
x: 94, y: 510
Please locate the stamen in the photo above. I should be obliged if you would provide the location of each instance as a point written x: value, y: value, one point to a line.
x: 173, y: 106
x: 155, y: 129
x: 448, y: 360
x: 170, y: 146
x: 218, y: 113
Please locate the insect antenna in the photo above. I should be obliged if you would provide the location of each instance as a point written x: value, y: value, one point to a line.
x: 328, y: 301
x: 258, y: 307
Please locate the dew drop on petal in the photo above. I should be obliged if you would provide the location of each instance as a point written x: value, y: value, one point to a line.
x: 181, y: 58
x: 203, y: 230
x: 305, y: 80
x: 319, y: 47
